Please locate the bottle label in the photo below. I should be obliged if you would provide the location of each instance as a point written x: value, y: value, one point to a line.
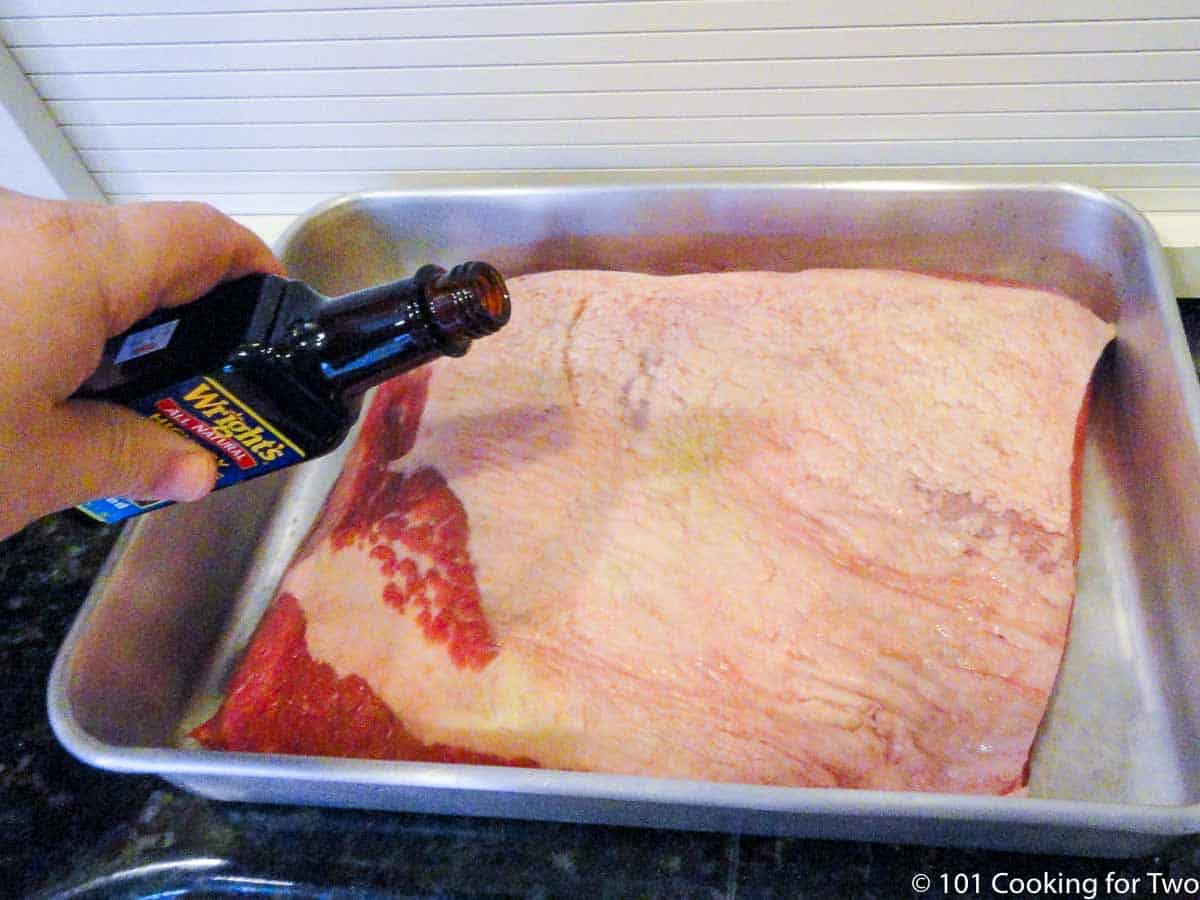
x: 148, y: 340
x: 245, y: 444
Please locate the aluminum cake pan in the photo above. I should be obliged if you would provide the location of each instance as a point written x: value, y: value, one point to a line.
x: 1115, y: 770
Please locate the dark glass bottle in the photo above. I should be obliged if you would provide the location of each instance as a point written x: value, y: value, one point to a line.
x: 266, y: 372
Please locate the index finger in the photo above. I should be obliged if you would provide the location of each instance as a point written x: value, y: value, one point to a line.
x: 150, y: 255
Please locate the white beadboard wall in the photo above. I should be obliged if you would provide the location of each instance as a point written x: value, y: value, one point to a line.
x: 265, y: 108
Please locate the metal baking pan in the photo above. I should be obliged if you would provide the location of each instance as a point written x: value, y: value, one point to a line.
x: 1116, y: 769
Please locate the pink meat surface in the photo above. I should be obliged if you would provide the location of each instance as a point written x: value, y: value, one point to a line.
x: 815, y: 528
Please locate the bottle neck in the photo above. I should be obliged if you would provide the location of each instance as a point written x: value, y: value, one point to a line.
x: 367, y: 337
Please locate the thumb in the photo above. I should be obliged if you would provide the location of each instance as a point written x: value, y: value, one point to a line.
x: 85, y: 449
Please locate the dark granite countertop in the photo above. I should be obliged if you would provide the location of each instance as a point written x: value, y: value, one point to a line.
x: 69, y: 830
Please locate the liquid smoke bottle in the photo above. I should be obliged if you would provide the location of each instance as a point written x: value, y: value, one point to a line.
x: 266, y: 372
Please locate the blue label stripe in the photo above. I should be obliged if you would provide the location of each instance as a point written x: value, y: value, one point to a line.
x: 207, y: 412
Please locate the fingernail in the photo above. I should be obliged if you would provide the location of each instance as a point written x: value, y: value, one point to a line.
x: 188, y: 476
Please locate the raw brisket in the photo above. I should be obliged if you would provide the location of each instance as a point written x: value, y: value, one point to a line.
x: 813, y: 528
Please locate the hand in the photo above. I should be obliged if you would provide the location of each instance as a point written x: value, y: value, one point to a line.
x: 71, y: 276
